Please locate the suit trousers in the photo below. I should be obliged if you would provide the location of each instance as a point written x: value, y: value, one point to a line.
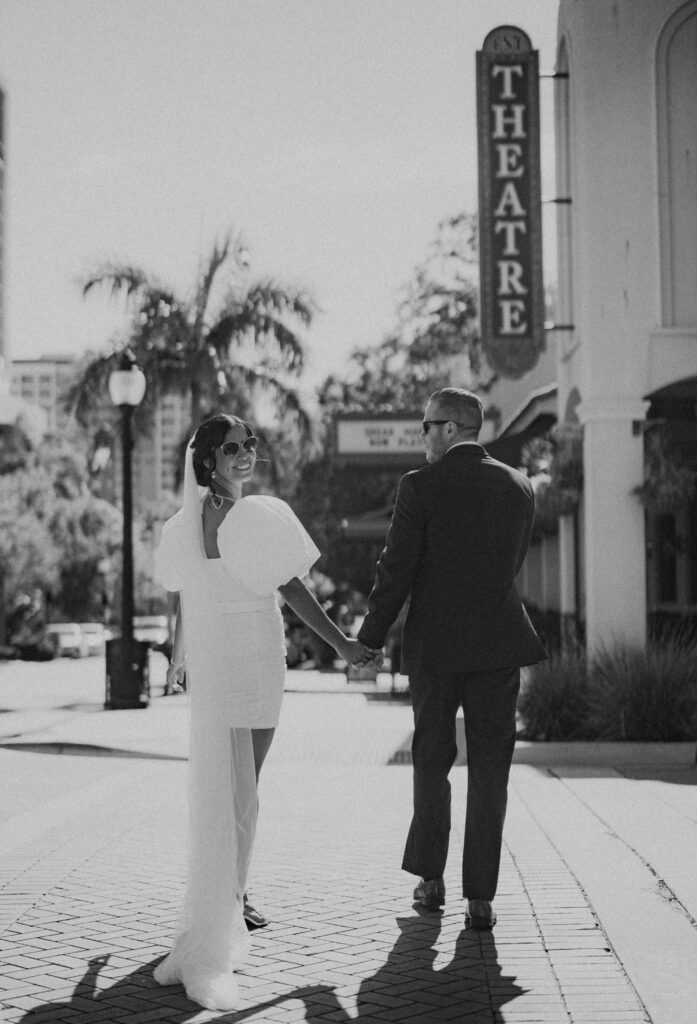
x: 488, y: 700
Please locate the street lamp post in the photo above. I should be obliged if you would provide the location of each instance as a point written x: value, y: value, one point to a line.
x: 126, y: 661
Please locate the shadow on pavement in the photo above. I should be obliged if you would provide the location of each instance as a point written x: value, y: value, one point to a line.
x: 138, y: 992
x: 678, y: 775
x: 471, y: 981
x: 84, y: 750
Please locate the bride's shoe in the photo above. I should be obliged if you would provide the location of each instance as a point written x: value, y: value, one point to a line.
x: 253, y: 918
x: 215, y: 992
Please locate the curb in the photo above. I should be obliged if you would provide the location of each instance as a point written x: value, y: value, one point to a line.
x: 582, y: 753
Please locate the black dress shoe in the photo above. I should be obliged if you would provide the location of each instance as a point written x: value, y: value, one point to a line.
x: 253, y: 918
x: 480, y: 915
x: 430, y: 893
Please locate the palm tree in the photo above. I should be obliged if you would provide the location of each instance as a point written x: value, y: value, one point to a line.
x: 234, y: 341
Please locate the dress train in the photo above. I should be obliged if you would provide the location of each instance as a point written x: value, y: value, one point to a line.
x: 212, y: 938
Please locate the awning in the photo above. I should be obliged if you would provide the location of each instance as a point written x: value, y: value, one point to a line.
x: 532, y: 418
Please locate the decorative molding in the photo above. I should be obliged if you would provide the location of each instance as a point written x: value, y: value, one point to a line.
x: 612, y: 409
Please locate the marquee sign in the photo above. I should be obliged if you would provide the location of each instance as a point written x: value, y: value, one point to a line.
x: 379, y: 436
x: 510, y: 229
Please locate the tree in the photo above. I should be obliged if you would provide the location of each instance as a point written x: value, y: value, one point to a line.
x: 16, y: 447
x: 233, y: 340
x: 435, y: 340
x: 84, y: 530
x: 53, y: 531
x: 28, y: 556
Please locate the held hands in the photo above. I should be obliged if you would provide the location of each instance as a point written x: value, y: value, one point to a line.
x: 359, y: 655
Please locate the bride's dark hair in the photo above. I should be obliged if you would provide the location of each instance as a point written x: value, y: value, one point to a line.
x: 210, y: 435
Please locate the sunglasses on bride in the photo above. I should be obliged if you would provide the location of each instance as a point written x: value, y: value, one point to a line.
x: 231, y: 448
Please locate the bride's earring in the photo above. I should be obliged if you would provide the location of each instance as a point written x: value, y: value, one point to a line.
x: 215, y: 500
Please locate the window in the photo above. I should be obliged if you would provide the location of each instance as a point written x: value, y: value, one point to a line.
x: 676, y: 78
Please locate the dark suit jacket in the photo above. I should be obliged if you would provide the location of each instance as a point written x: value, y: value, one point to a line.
x: 459, y: 533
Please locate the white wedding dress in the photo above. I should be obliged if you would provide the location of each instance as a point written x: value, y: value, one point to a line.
x: 235, y: 667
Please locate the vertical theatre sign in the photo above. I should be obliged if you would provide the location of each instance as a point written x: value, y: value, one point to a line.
x: 510, y: 231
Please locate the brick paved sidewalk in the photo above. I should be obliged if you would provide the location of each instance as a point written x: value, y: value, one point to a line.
x: 597, y: 867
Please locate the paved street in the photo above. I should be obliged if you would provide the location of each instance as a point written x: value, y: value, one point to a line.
x: 597, y: 903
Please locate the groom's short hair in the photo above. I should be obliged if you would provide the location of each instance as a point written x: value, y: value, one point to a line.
x: 464, y: 407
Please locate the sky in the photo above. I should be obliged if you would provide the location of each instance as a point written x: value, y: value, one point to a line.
x: 334, y: 134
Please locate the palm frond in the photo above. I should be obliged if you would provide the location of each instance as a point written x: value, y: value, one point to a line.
x: 89, y: 388
x: 263, y: 332
x: 119, y: 278
x: 268, y: 295
x: 226, y: 330
x: 270, y: 330
x: 288, y: 402
x: 230, y: 247
x: 88, y: 394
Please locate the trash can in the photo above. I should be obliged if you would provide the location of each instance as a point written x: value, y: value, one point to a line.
x: 127, y: 674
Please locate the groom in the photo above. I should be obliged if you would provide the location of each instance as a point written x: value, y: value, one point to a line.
x: 459, y: 533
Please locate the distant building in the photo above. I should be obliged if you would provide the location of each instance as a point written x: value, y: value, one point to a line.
x: 41, y: 382
x: 157, y: 459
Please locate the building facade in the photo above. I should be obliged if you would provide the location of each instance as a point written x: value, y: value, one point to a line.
x: 626, y: 361
x: 627, y: 273
x: 41, y: 382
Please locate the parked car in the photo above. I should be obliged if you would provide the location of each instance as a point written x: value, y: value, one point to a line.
x: 152, y: 628
x: 96, y: 636
x: 68, y: 639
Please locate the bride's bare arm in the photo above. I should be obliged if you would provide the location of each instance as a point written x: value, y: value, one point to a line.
x: 313, y: 615
x: 177, y: 666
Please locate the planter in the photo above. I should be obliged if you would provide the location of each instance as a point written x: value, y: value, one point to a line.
x: 607, y: 754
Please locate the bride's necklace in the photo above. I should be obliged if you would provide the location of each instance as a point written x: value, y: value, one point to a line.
x: 217, y: 500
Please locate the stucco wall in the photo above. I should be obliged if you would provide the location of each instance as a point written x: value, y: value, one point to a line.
x: 613, y: 253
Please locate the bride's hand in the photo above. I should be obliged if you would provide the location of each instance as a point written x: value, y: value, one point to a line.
x: 175, y: 677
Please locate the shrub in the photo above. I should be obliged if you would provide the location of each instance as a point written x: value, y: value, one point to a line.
x: 644, y: 694
x: 679, y: 626
x: 552, y: 702
x: 624, y: 693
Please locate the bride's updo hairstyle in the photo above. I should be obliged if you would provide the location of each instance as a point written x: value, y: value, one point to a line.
x: 209, y: 436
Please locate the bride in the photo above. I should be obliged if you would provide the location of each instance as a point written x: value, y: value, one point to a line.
x: 227, y: 555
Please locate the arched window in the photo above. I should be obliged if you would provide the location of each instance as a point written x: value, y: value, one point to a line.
x: 676, y: 108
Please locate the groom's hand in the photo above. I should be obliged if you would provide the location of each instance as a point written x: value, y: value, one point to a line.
x: 359, y: 655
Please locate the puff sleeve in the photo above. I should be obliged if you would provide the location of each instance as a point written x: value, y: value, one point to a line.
x: 263, y: 544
